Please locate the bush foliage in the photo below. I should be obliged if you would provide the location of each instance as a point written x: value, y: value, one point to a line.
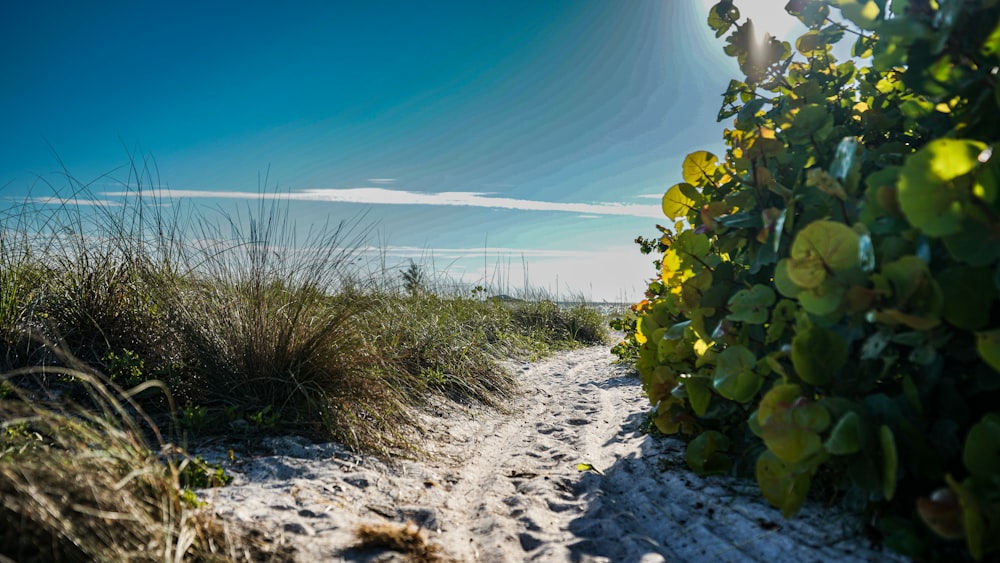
x: 825, y: 316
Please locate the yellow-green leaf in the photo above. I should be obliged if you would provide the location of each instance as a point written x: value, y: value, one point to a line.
x: 935, y: 183
x: 699, y: 168
x: 588, y: 467
x: 890, y: 461
x: 834, y: 245
x: 778, y: 399
x: 988, y: 346
x: 864, y: 14
x: 676, y: 205
x: 781, y: 485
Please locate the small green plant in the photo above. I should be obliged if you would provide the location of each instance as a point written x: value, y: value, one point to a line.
x: 625, y: 350
x: 190, y: 499
x: 434, y: 376
x: 266, y: 419
x: 126, y: 367
x: 194, y: 418
x: 200, y: 474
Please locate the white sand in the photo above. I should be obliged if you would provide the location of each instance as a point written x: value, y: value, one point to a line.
x: 507, y: 487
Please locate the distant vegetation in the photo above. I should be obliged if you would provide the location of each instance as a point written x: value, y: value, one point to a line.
x: 825, y: 314
x: 127, y: 328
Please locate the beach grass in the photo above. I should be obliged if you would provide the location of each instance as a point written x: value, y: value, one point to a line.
x: 113, y: 312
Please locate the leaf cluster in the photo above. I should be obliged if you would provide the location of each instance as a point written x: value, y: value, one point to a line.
x: 825, y: 315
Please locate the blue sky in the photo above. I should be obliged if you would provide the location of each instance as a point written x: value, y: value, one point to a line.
x: 478, y: 136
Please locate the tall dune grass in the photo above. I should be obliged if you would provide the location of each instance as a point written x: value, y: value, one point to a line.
x: 83, y: 483
x: 232, y: 318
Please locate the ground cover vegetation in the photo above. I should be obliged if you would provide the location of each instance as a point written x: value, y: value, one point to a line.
x: 129, y: 328
x: 825, y: 315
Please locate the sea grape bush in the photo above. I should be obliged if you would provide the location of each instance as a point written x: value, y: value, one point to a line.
x: 825, y: 315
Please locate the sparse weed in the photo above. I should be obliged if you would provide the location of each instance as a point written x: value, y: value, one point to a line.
x: 194, y: 418
x: 126, y: 367
x: 200, y: 474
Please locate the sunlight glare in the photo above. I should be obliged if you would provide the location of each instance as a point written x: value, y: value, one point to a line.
x: 769, y: 16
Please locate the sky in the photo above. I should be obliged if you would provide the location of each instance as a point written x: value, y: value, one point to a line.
x: 496, y: 142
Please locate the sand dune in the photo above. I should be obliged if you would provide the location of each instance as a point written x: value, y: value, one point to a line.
x: 501, y: 488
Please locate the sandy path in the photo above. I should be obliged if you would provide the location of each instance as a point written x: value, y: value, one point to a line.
x: 507, y: 488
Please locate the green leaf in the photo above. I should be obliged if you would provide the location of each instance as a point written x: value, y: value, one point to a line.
x: 782, y: 282
x: 810, y: 42
x: 777, y: 400
x: 811, y: 121
x: 676, y: 205
x: 934, y: 184
x: 820, y: 249
x: 735, y: 378
x: 690, y: 244
x: 721, y: 17
x: 988, y: 346
x: 810, y: 415
x: 752, y: 305
x: 972, y: 517
x: 783, y: 312
x: 790, y: 442
x: 754, y: 425
x: 890, y: 462
x: 822, y: 300
x: 781, y: 485
x: 699, y: 394
x: 704, y: 455
x: 847, y: 437
x: 790, y: 435
x: 864, y: 14
x: 972, y: 244
x: 968, y: 296
x: 982, y: 447
x: 745, y: 119
x: 817, y: 353
x: 915, y: 291
x: 699, y: 168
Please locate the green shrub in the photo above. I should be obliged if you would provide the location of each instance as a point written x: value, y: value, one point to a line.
x: 826, y: 314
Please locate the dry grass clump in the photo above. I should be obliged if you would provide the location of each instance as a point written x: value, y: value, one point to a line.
x: 82, y: 484
x: 265, y: 323
x: 403, y: 538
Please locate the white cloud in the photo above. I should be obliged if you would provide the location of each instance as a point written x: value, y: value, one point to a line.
x: 75, y: 201
x: 383, y: 196
x: 408, y: 251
